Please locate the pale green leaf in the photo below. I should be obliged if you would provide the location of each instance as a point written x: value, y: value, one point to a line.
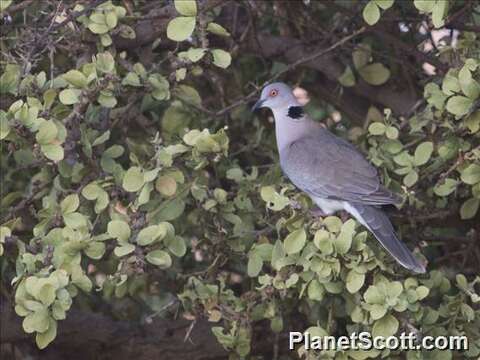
x: 469, y: 208
x: 69, y: 96
x: 133, y: 179
x: 295, y: 241
x: 181, y: 28
x: 375, y: 74
x: 186, y: 7
x: 423, y: 152
x: 221, y: 58
x: 217, y: 29
x: 159, y: 258
x: 371, y: 13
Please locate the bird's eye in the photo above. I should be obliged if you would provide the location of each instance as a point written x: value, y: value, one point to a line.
x: 273, y: 93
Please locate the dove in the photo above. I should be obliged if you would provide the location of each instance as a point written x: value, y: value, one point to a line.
x: 332, y: 171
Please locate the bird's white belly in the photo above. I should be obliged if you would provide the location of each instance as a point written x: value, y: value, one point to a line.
x: 329, y: 206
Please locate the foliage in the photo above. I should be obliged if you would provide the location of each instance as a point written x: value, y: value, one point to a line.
x: 120, y: 184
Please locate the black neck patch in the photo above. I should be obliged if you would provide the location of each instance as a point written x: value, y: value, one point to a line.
x: 295, y: 112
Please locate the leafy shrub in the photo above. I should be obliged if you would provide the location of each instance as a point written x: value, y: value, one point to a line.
x: 116, y: 173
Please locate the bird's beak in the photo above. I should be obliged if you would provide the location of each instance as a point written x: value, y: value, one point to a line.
x: 258, y: 105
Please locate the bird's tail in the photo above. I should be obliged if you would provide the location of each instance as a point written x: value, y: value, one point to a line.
x: 375, y: 220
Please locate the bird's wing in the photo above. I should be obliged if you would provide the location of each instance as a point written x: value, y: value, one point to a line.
x: 326, y: 166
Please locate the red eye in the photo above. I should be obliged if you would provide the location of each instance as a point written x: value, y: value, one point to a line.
x: 273, y: 93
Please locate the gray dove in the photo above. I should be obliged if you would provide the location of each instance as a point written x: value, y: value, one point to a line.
x: 332, y: 171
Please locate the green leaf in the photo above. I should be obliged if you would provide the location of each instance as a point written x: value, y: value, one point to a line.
x: 469, y: 208
x: 47, y: 132
x: 95, y: 250
x: 124, y: 249
x: 217, y: 29
x: 384, y: 4
x: 459, y: 105
x: 4, y: 125
x: 377, y: 311
x: 361, y: 56
x: 119, y: 229
x: 166, y: 185
x: 106, y: 40
x: 106, y: 99
x: 354, y: 281
x: 422, y: 292
x: 133, y: 179
x: 278, y: 253
x: 37, y: 321
x: 411, y: 178
x: 44, y: 338
x: 76, y: 78
x: 53, y: 152
x: 376, y: 128
x: 343, y: 241
x: 254, y: 265
x: 195, y: 54
x: 347, y: 79
x: 4, y: 4
x: 102, y: 138
x: 333, y: 223
x: 186, y: 7
x: 295, y: 241
x: 131, y: 79
x: 98, y: 28
x: 274, y: 200
x: 445, y: 188
x: 180, y: 74
x: 161, y: 87
x: 111, y: 19
x: 391, y: 132
x: 181, y: 28
x: 438, y: 13
x: 69, y: 204
x: 450, y: 84
x: 375, y: 74
x: 151, y: 233
x: 105, y: 62
x: 323, y: 242
x: 74, y: 220
x: 159, y: 258
x: 92, y: 191
x: 170, y: 210
x: 469, y: 86
x: 471, y: 174
x: 315, y: 290
x: 423, y: 152
x: 69, y: 96
x: 386, y: 326
x: 176, y: 245
x: 221, y: 58
x: 424, y: 5
x: 46, y: 294
x: 371, y: 13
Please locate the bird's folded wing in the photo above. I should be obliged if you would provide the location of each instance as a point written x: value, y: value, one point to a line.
x: 329, y: 167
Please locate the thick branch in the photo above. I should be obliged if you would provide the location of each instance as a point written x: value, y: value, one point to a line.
x: 85, y: 335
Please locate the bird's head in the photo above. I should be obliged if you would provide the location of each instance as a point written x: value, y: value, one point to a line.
x: 276, y: 96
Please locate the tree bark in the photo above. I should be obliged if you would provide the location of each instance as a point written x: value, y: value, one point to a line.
x: 89, y: 335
